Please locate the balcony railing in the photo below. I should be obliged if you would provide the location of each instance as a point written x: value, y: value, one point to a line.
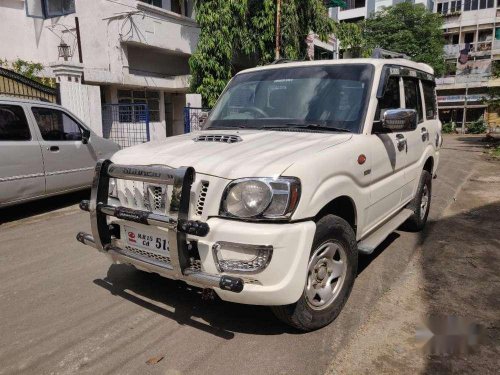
x: 454, y: 49
x: 463, y: 78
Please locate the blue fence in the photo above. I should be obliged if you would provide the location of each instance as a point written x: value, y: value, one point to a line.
x: 126, y: 124
x: 194, y: 117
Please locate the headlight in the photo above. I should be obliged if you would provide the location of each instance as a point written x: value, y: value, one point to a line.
x: 261, y: 198
x: 113, y: 189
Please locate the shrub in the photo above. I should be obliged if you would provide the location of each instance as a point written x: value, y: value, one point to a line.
x: 477, y: 127
x: 448, y: 128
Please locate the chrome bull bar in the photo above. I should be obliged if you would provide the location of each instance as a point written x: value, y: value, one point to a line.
x: 176, y: 221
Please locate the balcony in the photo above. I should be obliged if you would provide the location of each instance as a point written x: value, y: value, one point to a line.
x: 150, y: 25
x: 461, y: 80
x: 453, y: 50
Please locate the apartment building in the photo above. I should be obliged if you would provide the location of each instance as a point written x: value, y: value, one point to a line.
x: 110, y: 57
x: 357, y: 10
x: 471, y: 26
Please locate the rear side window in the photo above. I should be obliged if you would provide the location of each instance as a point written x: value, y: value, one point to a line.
x: 430, y: 100
x: 391, y: 98
x: 56, y: 125
x: 13, y: 124
x: 412, y: 96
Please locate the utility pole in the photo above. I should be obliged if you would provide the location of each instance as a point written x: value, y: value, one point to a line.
x: 465, y: 102
x: 278, y: 21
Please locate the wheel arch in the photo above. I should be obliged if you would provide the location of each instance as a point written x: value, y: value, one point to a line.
x: 429, y: 165
x: 342, y: 206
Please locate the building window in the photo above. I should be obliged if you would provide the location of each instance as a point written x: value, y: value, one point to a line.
x: 322, y: 54
x: 156, y: 3
x: 354, y: 4
x: 150, y: 98
x: 49, y: 8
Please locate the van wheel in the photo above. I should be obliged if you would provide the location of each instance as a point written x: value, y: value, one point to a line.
x: 420, y: 204
x: 331, y: 272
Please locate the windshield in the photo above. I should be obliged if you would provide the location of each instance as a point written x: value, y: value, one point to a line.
x: 325, y: 97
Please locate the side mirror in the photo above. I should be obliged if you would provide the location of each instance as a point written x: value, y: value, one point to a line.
x: 399, y: 119
x: 85, y: 136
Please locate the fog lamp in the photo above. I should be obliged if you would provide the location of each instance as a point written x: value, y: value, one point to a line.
x: 236, y: 257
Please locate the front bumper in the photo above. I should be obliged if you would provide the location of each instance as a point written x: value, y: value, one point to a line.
x: 281, y: 282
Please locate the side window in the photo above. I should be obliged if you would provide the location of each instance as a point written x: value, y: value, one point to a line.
x: 430, y: 100
x: 412, y: 96
x: 391, y: 99
x: 56, y: 125
x: 13, y: 124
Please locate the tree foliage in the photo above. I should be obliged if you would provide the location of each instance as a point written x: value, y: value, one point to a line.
x: 245, y: 29
x: 410, y: 29
x: 29, y: 69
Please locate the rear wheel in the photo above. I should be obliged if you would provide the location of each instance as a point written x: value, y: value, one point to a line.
x: 331, y: 272
x: 420, y: 204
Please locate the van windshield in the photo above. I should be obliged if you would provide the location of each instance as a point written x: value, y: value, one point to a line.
x: 324, y: 97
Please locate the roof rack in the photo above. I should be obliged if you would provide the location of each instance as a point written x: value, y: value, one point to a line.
x: 380, y: 53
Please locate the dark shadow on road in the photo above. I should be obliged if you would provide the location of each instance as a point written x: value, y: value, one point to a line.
x: 41, y: 206
x: 185, y: 304
x: 460, y: 264
x: 364, y: 260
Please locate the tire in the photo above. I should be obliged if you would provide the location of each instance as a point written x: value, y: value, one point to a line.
x: 420, y: 204
x: 334, y: 236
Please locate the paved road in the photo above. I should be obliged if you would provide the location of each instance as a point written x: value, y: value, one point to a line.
x: 65, y: 309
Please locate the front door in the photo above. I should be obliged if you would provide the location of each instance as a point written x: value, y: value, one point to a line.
x: 389, y: 159
x: 69, y: 163
x: 21, y: 163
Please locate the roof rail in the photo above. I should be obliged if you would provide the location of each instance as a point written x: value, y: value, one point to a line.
x: 380, y: 53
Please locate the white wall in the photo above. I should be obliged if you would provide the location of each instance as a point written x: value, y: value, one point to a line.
x: 106, y: 27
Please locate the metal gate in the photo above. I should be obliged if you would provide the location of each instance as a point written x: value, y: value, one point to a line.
x: 126, y: 124
x: 14, y: 84
x: 194, y: 117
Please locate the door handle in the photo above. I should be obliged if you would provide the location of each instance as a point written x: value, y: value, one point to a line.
x: 425, y: 134
x: 53, y: 148
x: 401, y: 141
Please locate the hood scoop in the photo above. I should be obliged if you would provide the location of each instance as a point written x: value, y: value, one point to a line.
x: 224, y: 138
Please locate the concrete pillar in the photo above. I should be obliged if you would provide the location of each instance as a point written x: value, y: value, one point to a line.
x: 81, y: 99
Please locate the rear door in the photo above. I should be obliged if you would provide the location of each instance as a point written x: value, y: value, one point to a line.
x: 69, y: 163
x: 417, y: 138
x: 21, y: 162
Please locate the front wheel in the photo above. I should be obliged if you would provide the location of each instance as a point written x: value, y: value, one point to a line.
x: 331, y: 273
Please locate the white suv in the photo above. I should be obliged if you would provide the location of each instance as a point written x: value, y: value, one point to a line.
x: 299, y: 167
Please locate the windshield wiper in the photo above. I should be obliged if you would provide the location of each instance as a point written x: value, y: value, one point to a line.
x: 310, y: 125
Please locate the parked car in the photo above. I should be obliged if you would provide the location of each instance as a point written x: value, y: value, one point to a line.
x: 45, y: 150
x: 298, y: 169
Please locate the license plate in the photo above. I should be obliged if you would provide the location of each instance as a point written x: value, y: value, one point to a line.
x: 147, y: 241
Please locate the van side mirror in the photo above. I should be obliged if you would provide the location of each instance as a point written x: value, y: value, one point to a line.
x: 399, y: 119
x: 85, y: 136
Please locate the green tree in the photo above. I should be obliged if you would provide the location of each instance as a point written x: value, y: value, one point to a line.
x: 246, y: 29
x: 410, y: 29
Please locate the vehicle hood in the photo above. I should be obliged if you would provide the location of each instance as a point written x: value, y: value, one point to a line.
x: 260, y: 153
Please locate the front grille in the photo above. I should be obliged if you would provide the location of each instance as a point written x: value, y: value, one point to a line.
x: 155, y: 197
x: 143, y: 196
x: 202, y: 197
x: 218, y: 138
x: 147, y: 254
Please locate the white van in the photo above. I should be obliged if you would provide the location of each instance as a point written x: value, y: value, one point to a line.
x: 45, y: 150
